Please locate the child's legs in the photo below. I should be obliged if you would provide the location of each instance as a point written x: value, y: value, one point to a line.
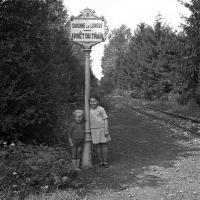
x: 79, y: 152
x: 78, y: 156
x: 74, y: 150
x: 99, y: 152
x: 104, y: 152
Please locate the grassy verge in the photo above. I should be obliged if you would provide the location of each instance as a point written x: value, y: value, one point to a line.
x: 191, y: 109
x: 27, y: 169
x: 58, y: 195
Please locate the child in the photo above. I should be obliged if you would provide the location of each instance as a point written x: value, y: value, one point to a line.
x: 99, y: 130
x: 76, y: 138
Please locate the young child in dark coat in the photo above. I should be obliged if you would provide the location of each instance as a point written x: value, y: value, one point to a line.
x: 76, y: 138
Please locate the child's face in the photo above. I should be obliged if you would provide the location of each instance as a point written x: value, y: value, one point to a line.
x: 93, y: 103
x: 78, y: 118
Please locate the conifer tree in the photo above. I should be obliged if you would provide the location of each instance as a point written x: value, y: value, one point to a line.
x: 39, y: 70
x: 191, y: 28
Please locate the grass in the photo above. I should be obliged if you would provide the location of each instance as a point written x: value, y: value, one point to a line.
x: 58, y: 195
x: 27, y: 169
x: 191, y: 108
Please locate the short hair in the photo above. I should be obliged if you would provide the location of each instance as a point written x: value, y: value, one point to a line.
x: 94, y: 96
x: 78, y: 113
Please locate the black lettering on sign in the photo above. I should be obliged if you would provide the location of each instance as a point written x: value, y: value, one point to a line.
x: 96, y: 25
x: 97, y: 36
x: 78, y: 25
x: 79, y: 35
x: 87, y: 35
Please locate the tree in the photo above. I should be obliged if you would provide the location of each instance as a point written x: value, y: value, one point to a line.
x: 191, y: 28
x: 149, y: 62
x: 158, y: 53
x: 39, y: 69
x: 113, y: 51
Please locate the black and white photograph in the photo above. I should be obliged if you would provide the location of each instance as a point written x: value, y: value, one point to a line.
x: 99, y: 100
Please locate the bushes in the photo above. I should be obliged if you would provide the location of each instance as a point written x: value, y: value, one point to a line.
x: 33, y: 168
x: 39, y: 69
x: 59, y: 195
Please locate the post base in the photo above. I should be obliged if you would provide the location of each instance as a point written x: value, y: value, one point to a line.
x: 87, y: 155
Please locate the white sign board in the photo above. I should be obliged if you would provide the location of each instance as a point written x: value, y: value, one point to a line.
x: 87, y: 30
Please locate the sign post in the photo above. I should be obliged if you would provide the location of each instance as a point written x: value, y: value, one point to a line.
x: 87, y: 29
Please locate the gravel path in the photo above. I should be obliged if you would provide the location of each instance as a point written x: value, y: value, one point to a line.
x: 149, y: 161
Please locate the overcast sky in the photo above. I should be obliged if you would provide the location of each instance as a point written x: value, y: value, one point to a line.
x: 130, y: 13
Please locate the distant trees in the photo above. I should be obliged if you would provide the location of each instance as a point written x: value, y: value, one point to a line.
x: 113, y: 53
x: 155, y: 61
x: 191, y: 28
x: 155, y: 55
x: 39, y: 69
x: 148, y: 61
x: 42, y: 74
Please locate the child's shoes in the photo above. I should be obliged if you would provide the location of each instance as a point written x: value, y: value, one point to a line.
x: 105, y: 164
x: 77, y: 169
x: 101, y: 164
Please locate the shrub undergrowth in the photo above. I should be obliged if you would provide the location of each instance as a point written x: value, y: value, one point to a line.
x: 29, y: 169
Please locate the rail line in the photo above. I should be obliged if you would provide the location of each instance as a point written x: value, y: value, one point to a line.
x: 185, y: 123
x: 177, y: 115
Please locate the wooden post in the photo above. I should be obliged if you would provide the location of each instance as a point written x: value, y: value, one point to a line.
x: 87, y: 154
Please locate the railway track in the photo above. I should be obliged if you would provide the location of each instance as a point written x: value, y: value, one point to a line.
x: 192, y: 119
x: 186, y: 123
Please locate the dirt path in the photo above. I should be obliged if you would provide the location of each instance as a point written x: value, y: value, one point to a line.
x: 149, y: 161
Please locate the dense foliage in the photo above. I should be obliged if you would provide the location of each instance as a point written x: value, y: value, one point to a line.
x: 32, y: 168
x: 191, y: 28
x: 112, y: 59
x: 155, y: 62
x: 40, y: 73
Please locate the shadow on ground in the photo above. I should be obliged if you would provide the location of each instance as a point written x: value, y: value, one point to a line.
x: 139, y: 147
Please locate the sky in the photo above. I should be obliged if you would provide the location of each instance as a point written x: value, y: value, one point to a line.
x: 128, y: 12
